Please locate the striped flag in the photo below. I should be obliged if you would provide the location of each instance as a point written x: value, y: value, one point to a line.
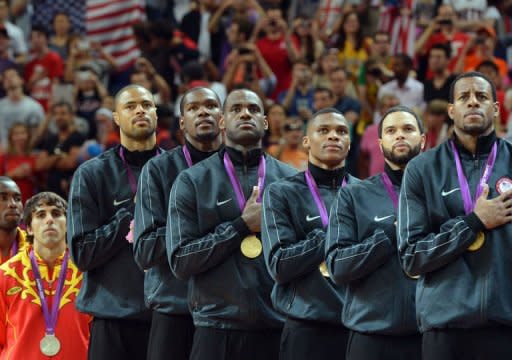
x: 109, y: 22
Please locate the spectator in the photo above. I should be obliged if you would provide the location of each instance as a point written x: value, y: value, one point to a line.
x: 327, y: 15
x: 403, y: 33
x: 45, y: 68
x: 439, y: 86
x: 16, y: 107
x: 353, y: 47
x: 276, y: 114
x: 247, y: 68
x: 371, y: 160
x: 237, y: 35
x: 59, y: 153
x: 290, y: 149
x: 481, y: 47
x: 5, y: 60
x: 59, y: 41
x: 18, y: 46
x: 472, y: 14
x: 438, y: 125
x: 406, y: 88
x: 147, y: 77
x: 298, y: 99
x: 88, y: 96
x: 325, y: 65
x: 304, y: 32
x: 19, y: 162
x: 277, y: 48
x: 442, y: 30
x: 490, y: 69
x: 323, y: 98
x: 350, y: 107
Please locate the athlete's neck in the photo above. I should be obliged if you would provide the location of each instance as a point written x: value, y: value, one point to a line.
x: 394, y: 166
x: 469, y: 141
x: 138, y: 145
x: 49, y: 255
x: 205, y: 146
x: 7, y: 237
x: 325, y: 165
x: 244, y: 149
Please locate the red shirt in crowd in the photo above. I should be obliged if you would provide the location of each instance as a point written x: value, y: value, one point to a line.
x: 27, y: 185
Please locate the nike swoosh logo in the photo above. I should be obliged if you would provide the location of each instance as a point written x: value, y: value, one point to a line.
x: 117, y: 203
x: 446, y: 193
x: 219, y: 203
x: 379, y: 219
x: 309, y: 218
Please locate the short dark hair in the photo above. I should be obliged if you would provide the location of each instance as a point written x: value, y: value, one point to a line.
x: 194, y: 89
x: 323, y: 89
x: 329, y: 110
x: 245, y: 90
x: 244, y: 26
x: 407, y: 60
x: 42, y: 198
x: 40, y: 29
x: 193, y: 70
x: 401, y: 108
x: 126, y: 88
x: 488, y: 63
x: 65, y: 104
x: 443, y: 47
x: 469, y: 75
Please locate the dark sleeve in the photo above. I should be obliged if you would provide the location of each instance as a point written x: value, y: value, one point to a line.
x: 423, y: 249
x: 347, y: 257
x: 92, y: 242
x: 75, y: 139
x: 189, y: 251
x: 287, y: 257
x: 150, y: 218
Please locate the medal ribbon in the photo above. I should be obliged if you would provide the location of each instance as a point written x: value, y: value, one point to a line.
x: 315, y: 193
x: 50, y: 319
x: 388, y: 185
x: 237, y: 187
x: 186, y: 153
x: 463, y: 181
x: 131, y: 177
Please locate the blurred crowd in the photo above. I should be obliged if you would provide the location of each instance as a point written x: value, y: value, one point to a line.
x: 360, y: 56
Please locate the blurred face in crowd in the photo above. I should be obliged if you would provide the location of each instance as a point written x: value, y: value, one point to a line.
x: 329, y: 61
x: 437, y: 60
x: 232, y: 33
x: 19, y: 136
x: 327, y: 140
x: 140, y: 78
x: 400, y: 69
x: 292, y: 131
x: 135, y: 113
x: 351, y: 23
x: 302, y: 73
x: 473, y: 109
x: 322, y: 99
x: 12, y: 80
x: 63, y: 116
x: 61, y: 24
x: 386, y: 102
x: 274, y: 16
x: 38, y: 41
x: 201, y: 115
x: 381, y: 45
x: 338, y: 82
x: 302, y: 26
x: 401, y: 138
x: 491, y: 73
x: 244, y: 120
x: 11, y: 207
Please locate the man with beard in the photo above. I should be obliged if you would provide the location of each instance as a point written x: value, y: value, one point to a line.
x: 101, y: 205
x: 12, y: 238
x: 172, y: 328
x: 60, y: 152
x: 361, y: 250
x: 295, y: 217
x: 213, y: 239
x: 454, y: 231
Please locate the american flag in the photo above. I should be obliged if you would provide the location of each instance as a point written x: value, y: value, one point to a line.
x: 110, y: 23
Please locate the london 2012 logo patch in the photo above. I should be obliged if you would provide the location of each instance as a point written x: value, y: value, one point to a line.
x: 503, y: 184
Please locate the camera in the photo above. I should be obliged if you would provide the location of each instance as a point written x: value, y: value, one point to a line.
x: 244, y: 51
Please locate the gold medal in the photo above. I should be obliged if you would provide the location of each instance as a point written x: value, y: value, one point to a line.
x: 323, y: 269
x: 251, y: 247
x: 478, y: 243
x: 49, y: 345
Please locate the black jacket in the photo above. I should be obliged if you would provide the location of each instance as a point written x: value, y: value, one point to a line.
x: 99, y: 213
x: 457, y: 288
x: 204, y: 232
x: 162, y: 290
x: 362, y: 258
x: 293, y: 242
